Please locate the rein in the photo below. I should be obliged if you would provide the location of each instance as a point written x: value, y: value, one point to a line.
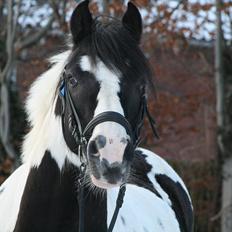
x: 85, y: 134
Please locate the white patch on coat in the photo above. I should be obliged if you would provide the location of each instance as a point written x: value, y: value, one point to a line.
x: 46, y: 130
x: 141, y: 211
x: 108, y: 100
x: 85, y: 64
x: 10, y: 198
x: 160, y: 166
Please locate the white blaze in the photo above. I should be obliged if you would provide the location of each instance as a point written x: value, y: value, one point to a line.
x: 108, y: 100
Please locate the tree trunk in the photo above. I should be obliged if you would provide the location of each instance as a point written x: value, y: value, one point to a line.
x: 219, y: 73
x: 226, y: 216
x: 4, y: 81
x: 226, y: 222
x: 105, y: 5
x: 5, y: 121
x: 12, y: 47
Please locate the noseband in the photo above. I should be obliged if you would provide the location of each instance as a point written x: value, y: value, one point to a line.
x: 84, y: 135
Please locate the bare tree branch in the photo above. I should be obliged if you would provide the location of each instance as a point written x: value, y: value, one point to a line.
x: 2, y: 24
x: 34, y: 38
x: 224, y: 210
x: 4, y: 78
x: 105, y: 4
x: 11, y: 30
x: 15, y: 19
x: 5, y: 121
x: 219, y: 79
x: 9, y: 39
x: 59, y: 9
x: 157, y: 20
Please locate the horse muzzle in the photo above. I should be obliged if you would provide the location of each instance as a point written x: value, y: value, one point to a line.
x: 107, y: 159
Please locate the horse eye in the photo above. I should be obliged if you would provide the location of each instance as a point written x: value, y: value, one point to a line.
x: 73, y: 81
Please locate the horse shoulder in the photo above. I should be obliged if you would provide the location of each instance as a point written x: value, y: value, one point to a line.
x: 11, y: 192
x: 170, y: 187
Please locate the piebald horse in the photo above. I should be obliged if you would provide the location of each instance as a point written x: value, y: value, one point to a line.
x: 104, y: 73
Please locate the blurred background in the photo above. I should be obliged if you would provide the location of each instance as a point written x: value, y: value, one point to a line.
x: 189, y: 46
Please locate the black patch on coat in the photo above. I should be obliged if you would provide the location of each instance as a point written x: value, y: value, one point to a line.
x: 50, y: 201
x: 84, y: 97
x: 1, y: 190
x: 58, y: 107
x: 145, y: 229
x: 123, y: 220
x: 180, y: 201
x: 139, y: 170
x: 100, y: 141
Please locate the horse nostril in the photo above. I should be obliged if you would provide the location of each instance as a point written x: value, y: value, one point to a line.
x: 100, y: 141
x: 95, y: 145
x: 92, y: 148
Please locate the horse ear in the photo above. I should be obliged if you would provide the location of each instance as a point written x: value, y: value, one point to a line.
x: 81, y: 22
x: 132, y: 21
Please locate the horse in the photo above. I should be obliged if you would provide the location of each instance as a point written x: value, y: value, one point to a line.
x: 88, y: 109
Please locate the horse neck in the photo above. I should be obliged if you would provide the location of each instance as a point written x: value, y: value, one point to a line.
x: 48, y: 136
x: 50, y: 201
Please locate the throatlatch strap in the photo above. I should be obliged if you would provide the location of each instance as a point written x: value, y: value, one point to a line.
x: 152, y: 122
x: 81, y: 199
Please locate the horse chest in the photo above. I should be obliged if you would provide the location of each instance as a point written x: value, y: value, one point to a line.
x: 142, y: 211
x: 50, y: 202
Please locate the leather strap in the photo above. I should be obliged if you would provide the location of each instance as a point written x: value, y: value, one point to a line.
x: 119, y: 203
x: 108, y: 116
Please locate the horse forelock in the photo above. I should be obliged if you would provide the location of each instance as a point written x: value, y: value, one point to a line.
x: 112, y: 44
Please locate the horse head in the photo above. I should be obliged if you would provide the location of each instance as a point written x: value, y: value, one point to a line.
x: 104, y: 81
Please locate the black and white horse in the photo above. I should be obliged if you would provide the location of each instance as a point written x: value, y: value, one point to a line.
x: 104, y: 71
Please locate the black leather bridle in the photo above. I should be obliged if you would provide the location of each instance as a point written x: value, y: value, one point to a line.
x: 85, y: 134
